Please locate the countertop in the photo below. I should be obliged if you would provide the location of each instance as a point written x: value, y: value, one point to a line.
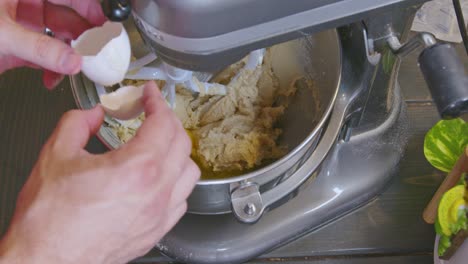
x: 390, y: 229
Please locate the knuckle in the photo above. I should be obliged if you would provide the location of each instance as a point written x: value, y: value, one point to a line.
x: 148, y: 168
x: 166, y: 109
x: 3, y: 23
x: 151, y: 169
x: 160, y: 200
x: 184, y: 206
x: 186, y: 142
x: 170, y: 127
x: 47, y: 153
x: 138, y: 179
x: 70, y: 115
x: 55, y: 146
x: 167, y: 128
x: 42, y: 46
x: 146, y: 249
x: 193, y: 170
x: 5, y: 30
x: 171, y: 121
x: 155, y: 105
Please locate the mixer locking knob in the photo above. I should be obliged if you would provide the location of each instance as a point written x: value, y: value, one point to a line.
x: 116, y: 10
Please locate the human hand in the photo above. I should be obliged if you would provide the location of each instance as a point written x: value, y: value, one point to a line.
x: 78, y: 207
x: 23, y: 43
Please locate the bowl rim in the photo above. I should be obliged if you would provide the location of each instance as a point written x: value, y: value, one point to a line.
x: 243, y: 177
x: 315, y: 132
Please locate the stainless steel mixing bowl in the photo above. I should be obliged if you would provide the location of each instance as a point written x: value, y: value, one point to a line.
x: 318, y: 59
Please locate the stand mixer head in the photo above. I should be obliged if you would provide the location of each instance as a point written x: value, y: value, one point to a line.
x: 207, y: 36
x: 210, y: 35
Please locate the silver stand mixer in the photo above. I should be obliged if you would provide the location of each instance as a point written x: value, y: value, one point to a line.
x: 360, y: 142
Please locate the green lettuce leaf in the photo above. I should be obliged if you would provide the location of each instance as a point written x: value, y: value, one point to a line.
x: 461, y: 223
x: 437, y: 227
x: 444, y: 244
x: 445, y: 142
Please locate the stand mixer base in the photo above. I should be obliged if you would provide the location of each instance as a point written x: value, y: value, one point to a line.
x: 353, y: 174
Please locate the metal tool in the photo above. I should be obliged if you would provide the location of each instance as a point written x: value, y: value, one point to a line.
x: 195, y: 82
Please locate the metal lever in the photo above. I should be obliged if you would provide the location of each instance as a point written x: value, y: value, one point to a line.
x: 116, y: 10
x: 443, y: 71
x: 424, y: 40
x: 447, y: 80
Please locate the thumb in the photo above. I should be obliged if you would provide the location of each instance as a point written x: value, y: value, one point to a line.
x: 76, y: 127
x: 47, y: 52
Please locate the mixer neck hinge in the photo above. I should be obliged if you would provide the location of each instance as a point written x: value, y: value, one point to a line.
x: 422, y: 40
x: 441, y: 67
x: 391, y: 40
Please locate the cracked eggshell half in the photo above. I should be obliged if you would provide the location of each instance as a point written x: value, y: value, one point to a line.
x: 125, y: 103
x: 106, y: 53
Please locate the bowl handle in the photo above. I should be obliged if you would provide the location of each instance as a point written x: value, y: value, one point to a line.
x: 248, y: 204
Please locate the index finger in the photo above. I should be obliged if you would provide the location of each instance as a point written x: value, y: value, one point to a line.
x: 39, y: 49
x: 89, y: 9
x: 153, y: 99
x: 66, y: 23
x: 75, y: 129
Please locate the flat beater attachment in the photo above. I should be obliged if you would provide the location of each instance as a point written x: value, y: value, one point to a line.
x: 196, y: 83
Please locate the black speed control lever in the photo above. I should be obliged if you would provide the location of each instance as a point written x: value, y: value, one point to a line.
x: 443, y: 71
x: 446, y: 78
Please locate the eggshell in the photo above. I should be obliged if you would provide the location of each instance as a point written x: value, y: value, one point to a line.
x: 125, y: 103
x: 106, y: 53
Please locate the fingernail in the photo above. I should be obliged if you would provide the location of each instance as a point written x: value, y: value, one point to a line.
x: 70, y: 63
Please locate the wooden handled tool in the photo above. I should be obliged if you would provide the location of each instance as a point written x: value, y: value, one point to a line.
x: 430, y: 213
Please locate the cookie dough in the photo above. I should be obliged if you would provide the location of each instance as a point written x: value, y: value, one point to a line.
x: 237, y: 131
